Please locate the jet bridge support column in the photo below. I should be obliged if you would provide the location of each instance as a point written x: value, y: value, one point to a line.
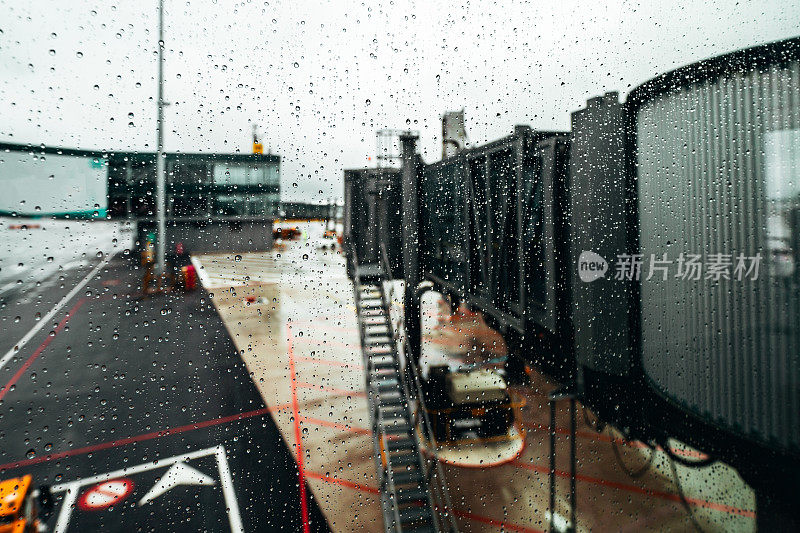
x: 411, y: 243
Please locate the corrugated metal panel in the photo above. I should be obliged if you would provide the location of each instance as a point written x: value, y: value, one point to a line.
x: 544, y: 234
x: 372, y: 216
x: 443, y: 229
x: 719, y: 173
x: 600, y: 308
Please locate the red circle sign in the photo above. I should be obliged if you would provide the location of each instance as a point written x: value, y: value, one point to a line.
x: 105, y: 494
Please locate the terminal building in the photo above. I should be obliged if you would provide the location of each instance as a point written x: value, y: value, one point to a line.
x: 204, y: 191
x: 48, y: 181
x: 199, y: 185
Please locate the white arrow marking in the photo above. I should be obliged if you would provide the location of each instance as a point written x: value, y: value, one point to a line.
x: 178, y: 474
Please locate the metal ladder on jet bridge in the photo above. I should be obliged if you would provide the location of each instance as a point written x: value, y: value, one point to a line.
x: 405, y: 498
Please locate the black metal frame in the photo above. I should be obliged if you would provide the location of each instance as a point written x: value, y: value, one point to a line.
x: 490, y: 242
x: 620, y: 394
x: 771, y: 472
x: 372, y: 217
x: 564, y: 393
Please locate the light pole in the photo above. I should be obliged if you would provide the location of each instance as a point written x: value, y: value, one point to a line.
x: 161, y: 237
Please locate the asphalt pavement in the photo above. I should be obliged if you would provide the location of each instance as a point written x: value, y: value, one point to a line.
x: 138, y: 411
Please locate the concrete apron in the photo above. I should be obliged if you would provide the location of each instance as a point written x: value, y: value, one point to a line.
x: 290, y: 314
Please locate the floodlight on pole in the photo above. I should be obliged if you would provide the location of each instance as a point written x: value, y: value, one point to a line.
x: 161, y: 199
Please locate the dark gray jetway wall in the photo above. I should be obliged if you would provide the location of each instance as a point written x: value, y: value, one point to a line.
x: 373, y: 217
x: 719, y: 177
x: 600, y: 307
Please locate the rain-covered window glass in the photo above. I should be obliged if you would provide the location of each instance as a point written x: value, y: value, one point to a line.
x: 782, y: 157
x: 533, y: 228
x: 399, y: 266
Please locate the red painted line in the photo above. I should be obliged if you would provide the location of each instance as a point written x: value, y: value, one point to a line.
x: 464, y: 514
x: 334, y: 390
x: 606, y: 438
x: 342, y: 427
x: 586, y: 479
x: 40, y: 349
x: 328, y: 362
x: 322, y: 344
x: 343, y: 482
x: 498, y: 523
x: 335, y: 425
x: 639, y: 490
x: 143, y: 437
x: 298, y: 438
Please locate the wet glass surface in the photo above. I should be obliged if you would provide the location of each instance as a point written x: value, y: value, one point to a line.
x: 401, y: 266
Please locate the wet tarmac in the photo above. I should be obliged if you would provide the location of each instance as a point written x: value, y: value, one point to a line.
x: 241, y: 407
x: 291, y: 314
x: 119, y: 389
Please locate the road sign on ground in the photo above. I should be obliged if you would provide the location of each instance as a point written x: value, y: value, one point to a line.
x: 178, y: 474
x: 105, y: 494
x: 164, y: 479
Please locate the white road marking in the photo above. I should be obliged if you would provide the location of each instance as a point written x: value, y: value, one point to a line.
x: 66, y: 510
x: 219, y: 274
x: 226, y: 481
x: 144, y: 467
x: 178, y: 474
x: 72, y: 488
x: 201, y: 271
x: 49, y: 316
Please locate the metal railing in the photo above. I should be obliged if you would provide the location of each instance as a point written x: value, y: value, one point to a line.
x: 432, y: 468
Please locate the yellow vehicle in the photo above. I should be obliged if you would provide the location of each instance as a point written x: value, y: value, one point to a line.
x: 20, y: 504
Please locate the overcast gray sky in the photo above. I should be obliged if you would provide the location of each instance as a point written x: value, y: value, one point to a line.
x: 320, y: 78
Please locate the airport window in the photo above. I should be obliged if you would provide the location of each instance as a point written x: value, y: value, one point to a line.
x: 399, y: 266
